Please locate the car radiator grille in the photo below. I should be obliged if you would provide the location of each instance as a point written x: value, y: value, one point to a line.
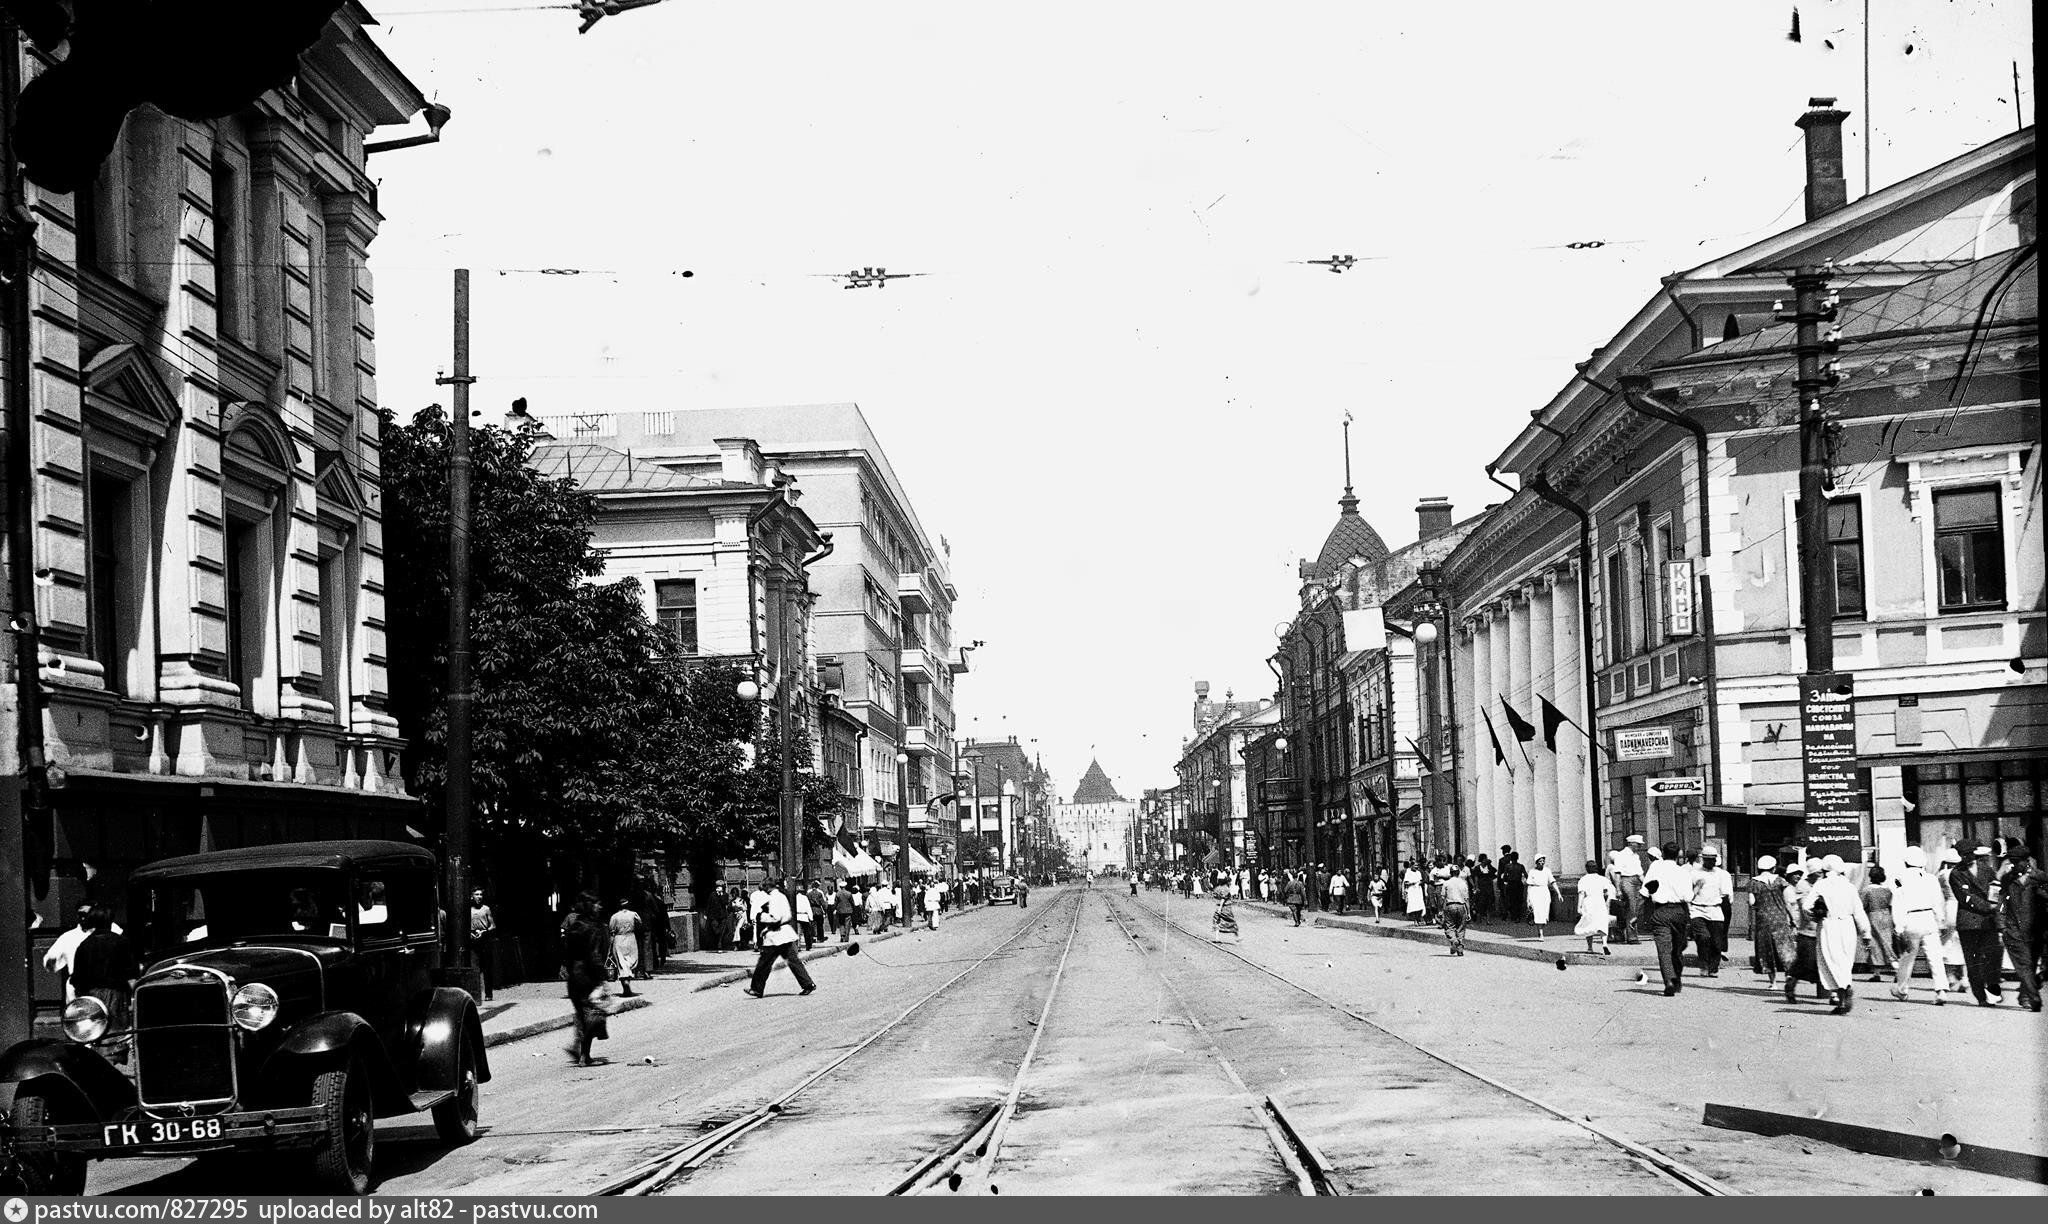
x: 184, y: 1046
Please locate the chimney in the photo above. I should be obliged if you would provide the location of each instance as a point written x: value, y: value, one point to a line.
x: 1432, y: 517
x: 740, y: 461
x: 1827, y: 188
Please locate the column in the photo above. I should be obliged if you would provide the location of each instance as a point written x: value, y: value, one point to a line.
x: 1515, y: 689
x: 1542, y: 678
x: 1478, y: 750
x: 1574, y: 839
x: 1503, y: 808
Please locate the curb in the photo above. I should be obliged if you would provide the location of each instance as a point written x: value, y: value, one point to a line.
x: 557, y: 1023
x: 1435, y: 935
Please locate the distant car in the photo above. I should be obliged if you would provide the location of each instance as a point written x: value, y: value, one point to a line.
x: 286, y: 1002
x: 1002, y: 892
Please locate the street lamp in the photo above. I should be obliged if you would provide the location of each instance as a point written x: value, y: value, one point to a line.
x: 789, y: 837
x: 903, y: 830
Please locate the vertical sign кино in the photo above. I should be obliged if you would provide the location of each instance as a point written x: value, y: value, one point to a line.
x: 1834, y: 808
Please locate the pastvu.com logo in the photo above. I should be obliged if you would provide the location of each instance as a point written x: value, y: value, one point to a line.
x: 17, y: 1211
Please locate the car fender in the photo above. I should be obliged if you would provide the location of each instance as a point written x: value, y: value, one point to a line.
x: 319, y: 1041
x: 437, y: 1024
x: 74, y: 1075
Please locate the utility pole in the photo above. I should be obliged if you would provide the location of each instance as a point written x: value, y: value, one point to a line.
x: 1812, y: 306
x: 791, y: 834
x: 458, y: 647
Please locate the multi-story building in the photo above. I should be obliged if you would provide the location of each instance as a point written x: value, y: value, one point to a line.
x: 722, y: 564
x: 1220, y: 822
x: 882, y: 620
x: 1637, y: 584
x: 992, y: 794
x: 1094, y: 823
x: 205, y: 500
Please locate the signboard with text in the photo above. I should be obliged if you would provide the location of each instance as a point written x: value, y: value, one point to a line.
x: 1678, y: 597
x: 1642, y: 744
x: 1827, y: 744
x: 1674, y: 788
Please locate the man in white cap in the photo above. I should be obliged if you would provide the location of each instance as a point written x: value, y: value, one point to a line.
x: 1916, y: 917
x: 1842, y: 927
x: 1713, y: 893
x: 1625, y: 872
x: 1977, y: 923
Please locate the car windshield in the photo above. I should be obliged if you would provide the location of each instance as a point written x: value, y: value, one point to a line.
x: 241, y: 905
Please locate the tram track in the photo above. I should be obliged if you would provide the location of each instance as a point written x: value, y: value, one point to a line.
x: 1664, y: 1166
x: 652, y: 1175
x: 969, y: 1166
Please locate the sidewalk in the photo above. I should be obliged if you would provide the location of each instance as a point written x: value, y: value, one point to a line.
x: 1496, y: 937
x: 514, y: 1013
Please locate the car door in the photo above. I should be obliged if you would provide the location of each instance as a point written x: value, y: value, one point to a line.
x: 397, y: 931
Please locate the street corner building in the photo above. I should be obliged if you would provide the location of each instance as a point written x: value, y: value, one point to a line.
x: 1644, y: 582
x: 194, y: 443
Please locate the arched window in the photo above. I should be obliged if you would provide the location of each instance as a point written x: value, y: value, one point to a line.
x: 1731, y: 329
x: 256, y: 471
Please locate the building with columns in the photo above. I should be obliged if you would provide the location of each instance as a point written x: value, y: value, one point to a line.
x: 1636, y: 582
x: 205, y: 492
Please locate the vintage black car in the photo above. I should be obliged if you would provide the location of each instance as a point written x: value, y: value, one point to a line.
x: 1002, y: 891
x: 287, y: 1001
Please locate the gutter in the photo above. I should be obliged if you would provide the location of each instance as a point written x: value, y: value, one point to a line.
x: 1636, y: 390
x: 1540, y: 485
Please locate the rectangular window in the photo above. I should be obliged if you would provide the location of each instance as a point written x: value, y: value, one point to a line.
x: 1617, y: 606
x: 675, y: 609
x: 240, y: 555
x: 228, y: 253
x: 107, y: 500
x: 1845, y: 551
x: 334, y: 630
x: 1969, y: 550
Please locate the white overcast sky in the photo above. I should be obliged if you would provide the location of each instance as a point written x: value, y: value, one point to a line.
x: 1114, y: 391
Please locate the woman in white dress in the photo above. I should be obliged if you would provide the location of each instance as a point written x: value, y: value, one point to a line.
x: 1542, y: 887
x: 1836, y: 907
x: 1596, y: 905
x: 1411, y: 892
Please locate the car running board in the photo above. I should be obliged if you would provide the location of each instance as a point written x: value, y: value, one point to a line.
x: 431, y: 1097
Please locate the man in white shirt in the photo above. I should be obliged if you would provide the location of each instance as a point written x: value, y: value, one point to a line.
x: 1917, y: 917
x: 1625, y: 872
x: 1713, y: 893
x: 1668, y: 889
x: 1340, y: 888
x: 774, y: 924
x: 58, y: 959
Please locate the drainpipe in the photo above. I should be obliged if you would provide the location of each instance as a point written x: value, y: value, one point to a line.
x: 1636, y: 390
x: 1539, y: 484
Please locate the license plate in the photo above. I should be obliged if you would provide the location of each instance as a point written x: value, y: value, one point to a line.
x: 146, y: 1132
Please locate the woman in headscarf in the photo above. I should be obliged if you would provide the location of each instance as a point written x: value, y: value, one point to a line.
x: 1542, y: 886
x: 1841, y: 926
x: 1805, y: 931
x: 1771, y: 922
x: 625, y: 932
x: 1877, y: 906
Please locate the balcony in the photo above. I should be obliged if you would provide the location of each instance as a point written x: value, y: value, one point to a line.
x: 916, y: 662
x: 919, y: 740
x: 913, y: 593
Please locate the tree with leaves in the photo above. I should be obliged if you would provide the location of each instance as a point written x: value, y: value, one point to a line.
x: 593, y: 740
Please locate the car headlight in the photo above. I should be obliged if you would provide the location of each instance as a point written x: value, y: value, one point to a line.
x: 85, y: 1019
x: 255, y: 1006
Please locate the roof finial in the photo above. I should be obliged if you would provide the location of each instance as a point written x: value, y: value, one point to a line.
x: 1347, y: 503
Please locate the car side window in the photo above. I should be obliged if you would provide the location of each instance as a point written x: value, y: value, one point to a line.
x: 397, y: 903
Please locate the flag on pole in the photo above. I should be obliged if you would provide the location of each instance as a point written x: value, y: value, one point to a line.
x: 1552, y: 719
x: 1524, y: 730
x: 1421, y: 757
x: 1499, y: 757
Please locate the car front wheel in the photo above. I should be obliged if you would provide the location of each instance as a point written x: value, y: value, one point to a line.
x: 348, y: 1146
x: 455, y: 1119
x: 50, y: 1172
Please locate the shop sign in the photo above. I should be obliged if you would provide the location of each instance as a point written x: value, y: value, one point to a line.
x: 1674, y: 788
x: 1678, y: 597
x: 1827, y: 743
x: 1642, y: 744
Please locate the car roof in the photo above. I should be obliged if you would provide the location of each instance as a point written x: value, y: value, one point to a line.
x: 286, y: 855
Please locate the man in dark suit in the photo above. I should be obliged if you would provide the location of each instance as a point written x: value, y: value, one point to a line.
x: 2023, y: 890
x: 1977, y: 923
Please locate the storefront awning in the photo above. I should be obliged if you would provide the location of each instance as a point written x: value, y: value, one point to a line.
x: 919, y: 864
x: 859, y: 863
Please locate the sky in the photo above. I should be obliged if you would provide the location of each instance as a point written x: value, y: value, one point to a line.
x: 1117, y: 389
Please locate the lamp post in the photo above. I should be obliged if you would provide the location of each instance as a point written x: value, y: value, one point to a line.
x: 903, y: 832
x: 1286, y: 801
x: 790, y: 841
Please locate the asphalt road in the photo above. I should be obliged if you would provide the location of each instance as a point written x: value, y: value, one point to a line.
x: 1159, y: 1050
